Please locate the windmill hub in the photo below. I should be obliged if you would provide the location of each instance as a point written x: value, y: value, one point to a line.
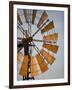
x: 26, y: 41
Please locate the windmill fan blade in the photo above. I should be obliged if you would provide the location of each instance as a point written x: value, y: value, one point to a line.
x: 19, y: 19
x: 42, y: 64
x: 51, y: 37
x: 53, y: 48
x: 19, y: 57
x: 48, y: 27
x: 42, y: 19
x: 25, y: 14
x: 49, y: 58
x: 24, y: 67
x: 34, y: 67
x: 33, y: 16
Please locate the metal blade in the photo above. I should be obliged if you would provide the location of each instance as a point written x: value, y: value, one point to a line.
x: 51, y: 37
x: 53, y: 48
x: 19, y: 19
x: 48, y: 27
x: 49, y: 58
x: 24, y: 67
x: 19, y: 57
x: 42, y: 19
x: 42, y: 64
x: 26, y: 14
x: 34, y: 67
x: 33, y: 16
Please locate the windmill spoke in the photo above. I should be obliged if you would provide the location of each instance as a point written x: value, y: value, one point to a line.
x: 21, y: 29
x: 40, y: 28
x: 36, y: 49
x: 29, y: 23
x: 21, y: 26
x: 44, y: 41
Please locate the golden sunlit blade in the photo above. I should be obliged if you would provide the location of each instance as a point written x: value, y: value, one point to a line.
x: 42, y: 64
x: 33, y: 16
x: 49, y: 58
x: 53, y: 48
x: 48, y: 27
x: 24, y: 67
x: 34, y: 68
x: 19, y: 19
x: 33, y: 74
x: 42, y: 19
x: 51, y: 37
x: 19, y: 57
x: 33, y: 61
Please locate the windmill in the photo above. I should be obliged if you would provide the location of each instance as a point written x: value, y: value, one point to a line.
x: 29, y: 67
